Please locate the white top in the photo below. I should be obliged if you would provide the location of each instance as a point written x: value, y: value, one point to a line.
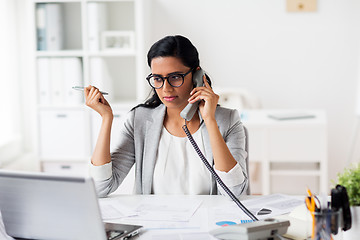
x: 179, y: 169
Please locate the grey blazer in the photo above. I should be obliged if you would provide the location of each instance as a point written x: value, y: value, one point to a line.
x: 139, y: 142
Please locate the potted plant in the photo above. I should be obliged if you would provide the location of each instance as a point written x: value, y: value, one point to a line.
x: 350, y: 179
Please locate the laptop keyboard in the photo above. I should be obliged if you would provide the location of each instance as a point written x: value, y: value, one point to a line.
x: 111, y: 235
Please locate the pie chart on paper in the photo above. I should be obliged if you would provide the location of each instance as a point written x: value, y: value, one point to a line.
x: 225, y: 223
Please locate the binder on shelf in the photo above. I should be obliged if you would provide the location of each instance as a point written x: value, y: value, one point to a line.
x: 56, y: 76
x: 44, y: 81
x: 97, y: 23
x: 49, y: 26
x: 54, y: 26
x: 99, y: 76
x: 72, y: 76
x: 40, y: 26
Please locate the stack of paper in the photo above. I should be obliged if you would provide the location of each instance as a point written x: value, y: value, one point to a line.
x: 153, y: 213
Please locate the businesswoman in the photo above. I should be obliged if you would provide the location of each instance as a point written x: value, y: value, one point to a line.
x: 153, y: 138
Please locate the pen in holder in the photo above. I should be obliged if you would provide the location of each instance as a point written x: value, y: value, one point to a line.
x: 326, y: 223
x: 328, y: 218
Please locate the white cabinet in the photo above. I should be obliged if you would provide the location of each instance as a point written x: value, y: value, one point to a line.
x: 66, y: 167
x: 292, y: 151
x: 80, y: 43
x: 63, y: 134
x: 118, y: 122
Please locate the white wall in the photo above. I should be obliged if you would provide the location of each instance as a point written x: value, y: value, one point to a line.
x: 290, y: 60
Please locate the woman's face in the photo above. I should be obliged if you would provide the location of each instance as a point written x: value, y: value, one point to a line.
x: 172, y: 97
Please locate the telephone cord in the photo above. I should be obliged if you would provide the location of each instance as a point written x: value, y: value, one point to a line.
x: 217, y: 178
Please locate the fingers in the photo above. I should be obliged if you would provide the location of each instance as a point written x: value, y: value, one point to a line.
x: 202, y: 93
x: 87, y: 90
x: 207, y: 86
x: 95, y: 100
x: 206, y: 83
x: 93, y: 95
x: 207, y: 90
x: 198, y: 89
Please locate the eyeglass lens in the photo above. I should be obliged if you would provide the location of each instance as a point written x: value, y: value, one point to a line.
x: 175, y: 80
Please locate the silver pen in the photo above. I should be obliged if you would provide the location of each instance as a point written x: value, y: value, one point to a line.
x: 82, y: 89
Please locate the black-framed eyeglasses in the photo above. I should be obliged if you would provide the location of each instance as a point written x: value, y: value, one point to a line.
x: 174, y: 79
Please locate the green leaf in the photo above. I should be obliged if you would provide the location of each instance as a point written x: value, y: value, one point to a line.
x: 350, y: 179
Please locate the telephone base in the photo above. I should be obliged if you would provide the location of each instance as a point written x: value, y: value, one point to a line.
x: 268, y: 228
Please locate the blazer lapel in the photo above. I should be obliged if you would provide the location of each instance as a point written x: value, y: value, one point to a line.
x: 152, y: 138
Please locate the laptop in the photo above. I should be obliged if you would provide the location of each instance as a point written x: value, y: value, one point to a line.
x: 43, y: 206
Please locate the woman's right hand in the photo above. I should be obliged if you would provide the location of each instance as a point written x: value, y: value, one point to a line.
x: 95, y: 100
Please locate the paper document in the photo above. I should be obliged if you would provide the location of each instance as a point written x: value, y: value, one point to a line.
x: 167, y: 209
x: 262, y: 207
x: 197, y: 222
x: 272, y: 205
x: 169, y: 212
x: 113, y: 209
x: 227, y: 214
x: 183, y: 236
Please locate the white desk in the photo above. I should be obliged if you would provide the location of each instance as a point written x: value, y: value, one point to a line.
x: 301, y: 142
x: 203, y: 214
x: 209, y: 202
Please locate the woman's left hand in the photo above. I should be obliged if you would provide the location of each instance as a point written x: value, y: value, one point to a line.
x: 208, y: 106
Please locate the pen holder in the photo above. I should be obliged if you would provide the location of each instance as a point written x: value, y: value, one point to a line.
x: 326, y: 224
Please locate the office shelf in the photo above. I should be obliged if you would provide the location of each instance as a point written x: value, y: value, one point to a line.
x: 113, y: 54
x: 63, y: 53
x: 73, y: 50
x: 63, y: 107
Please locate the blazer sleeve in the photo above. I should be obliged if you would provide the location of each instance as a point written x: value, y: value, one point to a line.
x: 122, y: 159
x: 235, y: 140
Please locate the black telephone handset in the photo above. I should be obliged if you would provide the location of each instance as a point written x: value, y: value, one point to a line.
x: 188, y: 112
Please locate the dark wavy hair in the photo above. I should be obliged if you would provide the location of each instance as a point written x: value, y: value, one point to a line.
x: 171, y: 46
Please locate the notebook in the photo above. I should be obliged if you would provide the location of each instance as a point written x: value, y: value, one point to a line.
x: 44, y: 206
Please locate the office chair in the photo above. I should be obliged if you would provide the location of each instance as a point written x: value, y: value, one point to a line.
x: 247, y: 158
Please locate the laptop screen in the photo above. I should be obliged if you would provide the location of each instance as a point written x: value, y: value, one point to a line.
x: 37, y: 205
